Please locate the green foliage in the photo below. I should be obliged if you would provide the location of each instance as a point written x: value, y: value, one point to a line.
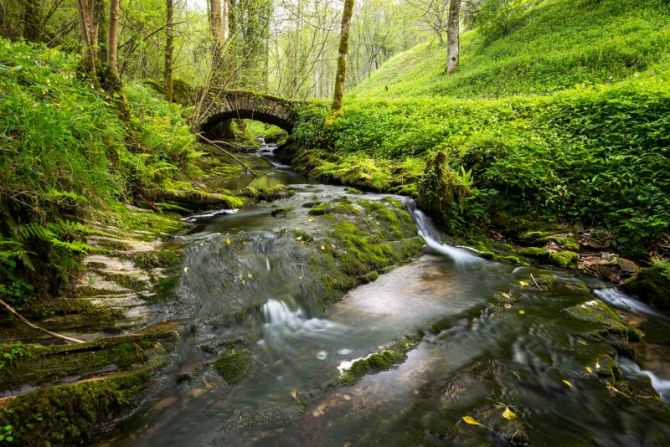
x: 11, y: 352
x: 550, y: 45
x: 498, y: 17
x: 596, y: 155
x: 64, y: 149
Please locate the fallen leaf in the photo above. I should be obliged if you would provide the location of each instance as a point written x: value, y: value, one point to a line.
x: 523, y: 283
x: 597, y: 364
x: 250, y: 276
x: 470, y: 420
x: 227, y: 241
x: 568, y: 383
x: 589, y: 369
x: 323, y: 248
x: 522, y: 312
x: 509, y: 414
x: 185, y: 269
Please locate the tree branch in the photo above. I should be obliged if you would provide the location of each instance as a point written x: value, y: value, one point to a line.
x: 11, y: 310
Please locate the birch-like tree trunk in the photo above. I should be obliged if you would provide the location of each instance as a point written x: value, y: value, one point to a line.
x: 337, y: 108
x: 169, y: 50
x: 113, y: 38
x: 453, y: 36
x: 218, y: 32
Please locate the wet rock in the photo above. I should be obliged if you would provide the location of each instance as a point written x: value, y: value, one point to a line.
x: 651, y: 285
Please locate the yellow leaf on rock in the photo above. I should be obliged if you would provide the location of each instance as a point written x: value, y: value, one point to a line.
x: 589, y: 370
x: 185, y: 269
x: 523, y: 283
x: 227, y: 241
x: 568, y: 383
x: 470, y: 420
x: 522, y: 312
x: 509, y: 414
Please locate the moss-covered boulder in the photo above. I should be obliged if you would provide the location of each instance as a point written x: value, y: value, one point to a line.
x: 565, y: 259
x: 233, y: 365
x: 652, y: 285
x: 72, y: 414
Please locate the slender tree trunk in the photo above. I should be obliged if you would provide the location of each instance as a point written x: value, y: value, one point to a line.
x: 169, y: 50
x: 113, y: 38
x: 32, y: 20
x: 216, y: 19
x: 88, y: 27
x: 453, y: 36
x: 337, y: 109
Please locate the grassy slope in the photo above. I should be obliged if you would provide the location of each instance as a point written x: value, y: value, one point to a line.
x: 596, y: 151
x: 555, y: 45
x: 65, y: 152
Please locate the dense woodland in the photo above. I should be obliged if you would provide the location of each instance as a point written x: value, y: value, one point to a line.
x: 535, y: 132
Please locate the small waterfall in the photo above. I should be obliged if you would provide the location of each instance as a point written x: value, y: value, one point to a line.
x: 460, y: 256
x: 662, y: 386
x: 282, y: 321
x: 617, y: 298
x: 266, y: 151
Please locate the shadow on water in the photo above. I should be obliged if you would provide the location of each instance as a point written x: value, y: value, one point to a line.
x: 249, y: 279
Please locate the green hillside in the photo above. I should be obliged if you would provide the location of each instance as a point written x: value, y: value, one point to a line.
x: 550, y: 45
x: 565, y: 117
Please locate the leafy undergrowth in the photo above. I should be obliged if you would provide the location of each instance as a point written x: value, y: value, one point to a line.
x: 598, y: 156
x: 66, y: 151
x: 536, y: 47
x: 558, y: 112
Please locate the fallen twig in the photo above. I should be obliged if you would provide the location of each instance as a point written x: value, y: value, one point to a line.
x: 536, y: 284
x: 218, y: 145
x: 11, y: 310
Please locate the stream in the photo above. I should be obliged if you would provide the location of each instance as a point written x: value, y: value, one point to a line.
x: 247, y: 279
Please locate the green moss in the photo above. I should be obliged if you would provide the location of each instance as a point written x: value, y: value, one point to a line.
x: 568, y: 243
x: 534, y: 252
x: 595, y: 311
x: 157, y: 258
x: 565, y: 259
x: 40, y: 364
x: 71, y: 414
x: 268, y: 193
x: 651, y: 285
x: 379, y: 361
x: 233, y: 365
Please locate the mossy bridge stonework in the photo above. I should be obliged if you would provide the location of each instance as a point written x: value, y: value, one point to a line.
x: 222, y: 106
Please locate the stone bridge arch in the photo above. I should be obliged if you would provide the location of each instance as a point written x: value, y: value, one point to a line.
x: 239, y: 104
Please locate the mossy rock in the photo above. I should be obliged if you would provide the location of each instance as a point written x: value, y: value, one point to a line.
x: 72, y: 414
x: 534, y: 252
x: 233, y: 365
x: 157, y: 259
x: 565, y: 259
x: 39, y: 364
x: 651, y: 285
x: 379, y: 361
x: 595, y: 311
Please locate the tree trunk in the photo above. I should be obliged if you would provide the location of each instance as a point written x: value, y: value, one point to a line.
x: 216, y: 18
x: 88, y: 27
x: 337, y: 109
x: 113, y: 38
x: 453, y: 36
x: 32, y: 20
x: 169, y: 50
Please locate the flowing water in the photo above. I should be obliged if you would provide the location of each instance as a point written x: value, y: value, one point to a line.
x: 248, y: 279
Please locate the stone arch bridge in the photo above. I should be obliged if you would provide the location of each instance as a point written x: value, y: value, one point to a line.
x: 222, y: 106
